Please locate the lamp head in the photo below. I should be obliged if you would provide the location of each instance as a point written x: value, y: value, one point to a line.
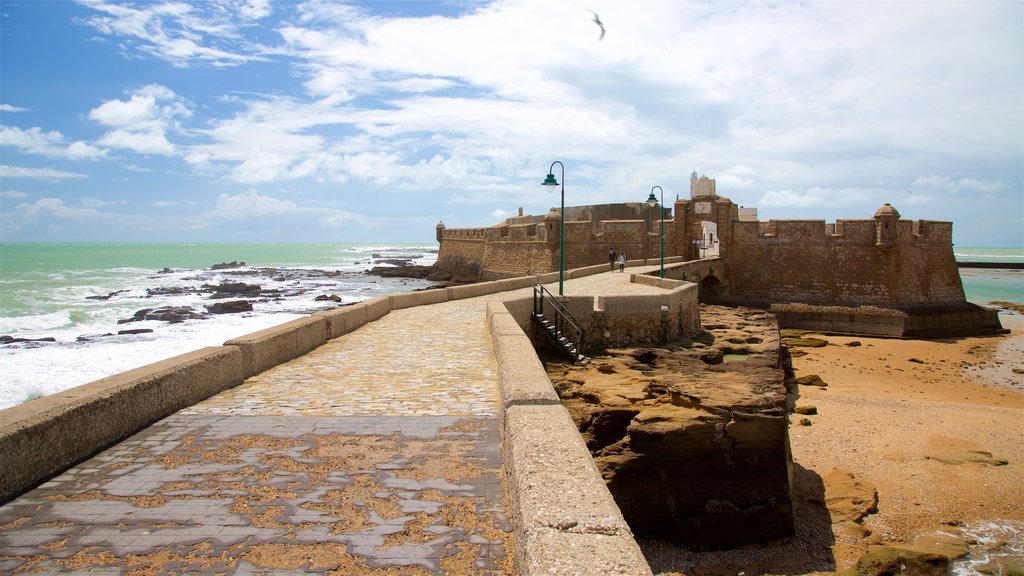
x: 550, y: 183
x: 652, y: 201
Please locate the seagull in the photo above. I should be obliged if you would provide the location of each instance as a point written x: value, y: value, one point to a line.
x: 597, y: 20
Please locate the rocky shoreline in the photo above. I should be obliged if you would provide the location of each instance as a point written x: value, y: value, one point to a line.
x: 239, y: 296
x: 691, y: 438
x: 904, y: 462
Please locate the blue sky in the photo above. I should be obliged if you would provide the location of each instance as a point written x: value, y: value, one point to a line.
x: 253, y: 120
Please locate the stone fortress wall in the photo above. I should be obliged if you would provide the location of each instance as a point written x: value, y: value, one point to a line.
x: 848, y: 267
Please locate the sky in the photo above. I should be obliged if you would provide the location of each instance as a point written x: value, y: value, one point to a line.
x: 316, y: 121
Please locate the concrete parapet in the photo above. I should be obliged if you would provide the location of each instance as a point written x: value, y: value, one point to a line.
x: 547, y: 278
x: 377, y: 308
x: 341, y: 321
x: 470, y: 290
x: 420, y: 298
x: 267, y: 348
x: 523, y: 379
x: 666, y: 283
x: 566, y: 520
x: 50, y: 434
x: 629, y: 305
x: 586, y: 271
x: 517, y: 283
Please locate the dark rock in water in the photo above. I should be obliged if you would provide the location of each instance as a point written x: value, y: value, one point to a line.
x: 12, y: 340
x: 413, y: 271
x: 92, y: 337
x: 396, y: 261
x: 166, y: 270
x: 227, y: 265
x: 234, y: 289
x: 172, y: 314
x: 134, y: 331
x: 230, y: 307
x: 325, y: 298
x: 171, y: 291
x: 107, y: 297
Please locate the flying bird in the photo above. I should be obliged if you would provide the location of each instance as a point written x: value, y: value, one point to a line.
x: 597, y: 20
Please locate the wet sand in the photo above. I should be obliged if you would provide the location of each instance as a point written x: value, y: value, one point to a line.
x: 898, y: 415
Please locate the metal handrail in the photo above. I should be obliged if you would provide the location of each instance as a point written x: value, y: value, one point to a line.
x: 563, y: 317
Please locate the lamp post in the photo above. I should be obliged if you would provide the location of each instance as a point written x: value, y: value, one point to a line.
x: 551, y: 184
x: 652, y: 201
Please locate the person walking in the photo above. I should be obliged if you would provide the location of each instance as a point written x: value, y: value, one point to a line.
x: 612, y: 257
x: 622, y: 261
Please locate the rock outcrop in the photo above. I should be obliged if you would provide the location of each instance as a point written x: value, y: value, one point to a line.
x: 692, y: 439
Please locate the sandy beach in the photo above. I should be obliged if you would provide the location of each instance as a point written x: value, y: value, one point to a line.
x: 935, y: 427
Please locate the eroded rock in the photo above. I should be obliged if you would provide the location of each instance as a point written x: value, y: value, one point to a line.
x: 693, y: 452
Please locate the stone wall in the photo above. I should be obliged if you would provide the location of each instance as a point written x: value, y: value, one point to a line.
x: 526, y: 245
x: 802, y: 261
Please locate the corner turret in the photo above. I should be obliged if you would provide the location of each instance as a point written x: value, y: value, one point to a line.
x: 886, y: 219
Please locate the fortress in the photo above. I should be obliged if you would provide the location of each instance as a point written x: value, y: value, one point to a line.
x: 881, y: 276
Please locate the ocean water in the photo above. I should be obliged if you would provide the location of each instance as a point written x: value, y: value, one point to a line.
x: 984, y: 285
x: 77, y: 293
x: 54, y: 290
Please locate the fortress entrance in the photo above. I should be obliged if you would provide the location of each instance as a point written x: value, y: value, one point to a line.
x: 709, y: 239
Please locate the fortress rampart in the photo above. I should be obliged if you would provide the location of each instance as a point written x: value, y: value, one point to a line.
x: 884, y: 261
x: 843, y: 264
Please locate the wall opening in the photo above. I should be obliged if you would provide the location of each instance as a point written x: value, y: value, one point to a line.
x: 712, y: 291
x: 709, y: 241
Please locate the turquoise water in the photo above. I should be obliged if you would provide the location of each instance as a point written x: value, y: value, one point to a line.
x: 37, y: 278
x: 983, y: 285
x: 76, y: 296
x: 975, y: 254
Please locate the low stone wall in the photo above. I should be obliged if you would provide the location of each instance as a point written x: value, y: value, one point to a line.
x: 864, y: 321
x: 965, y: 320
x: 50, y: 434
x: 276, y: 345
x: 566, y: 520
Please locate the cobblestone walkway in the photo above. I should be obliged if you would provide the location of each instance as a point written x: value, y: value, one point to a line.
x: 377, y: 453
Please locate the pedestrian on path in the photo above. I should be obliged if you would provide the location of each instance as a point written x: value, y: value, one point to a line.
x: 612, y: 257
x: 622, y: 261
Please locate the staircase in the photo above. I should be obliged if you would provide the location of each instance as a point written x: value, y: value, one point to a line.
x: 564, y: 329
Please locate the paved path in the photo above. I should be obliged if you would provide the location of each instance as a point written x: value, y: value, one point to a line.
x: 377, y: 453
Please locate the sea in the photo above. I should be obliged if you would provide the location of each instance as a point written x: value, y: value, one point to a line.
x: 64, y: 306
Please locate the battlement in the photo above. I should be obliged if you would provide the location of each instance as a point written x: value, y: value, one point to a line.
x: 848, y: 231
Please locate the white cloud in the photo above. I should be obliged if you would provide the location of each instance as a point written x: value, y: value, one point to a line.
x: 12, y: 194
x: 209, y: 33
x: 88, y: 202
x: 7, y: 171
x: 970, y: 184
x: 51, y: 144
x: 499, y: 215
x: 9, y: 108
x: 141, y: 123
x: 817, y: 196
x: 258, y: 212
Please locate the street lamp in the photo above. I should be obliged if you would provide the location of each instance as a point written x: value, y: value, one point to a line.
x: 551, y: 184
x: 652, y: 201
